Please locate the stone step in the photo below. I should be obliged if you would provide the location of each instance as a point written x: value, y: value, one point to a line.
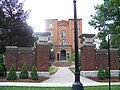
x: 63, y: 63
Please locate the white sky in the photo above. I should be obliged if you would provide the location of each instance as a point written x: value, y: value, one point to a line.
x: 61, y: 10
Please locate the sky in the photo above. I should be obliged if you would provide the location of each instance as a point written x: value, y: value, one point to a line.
x: 61, y: 10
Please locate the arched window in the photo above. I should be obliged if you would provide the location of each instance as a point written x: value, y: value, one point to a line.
x: 63, y: 33
x: 63, y: 42
x: 50, y: 25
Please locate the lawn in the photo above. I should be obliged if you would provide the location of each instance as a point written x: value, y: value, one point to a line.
x: 53, y: 70
x: 115, y: 87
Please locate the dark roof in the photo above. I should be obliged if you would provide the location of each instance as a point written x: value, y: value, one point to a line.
x: 42, y: 33
x: 87, y: 35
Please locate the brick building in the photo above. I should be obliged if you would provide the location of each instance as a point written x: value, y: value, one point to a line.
x: 62, y: 36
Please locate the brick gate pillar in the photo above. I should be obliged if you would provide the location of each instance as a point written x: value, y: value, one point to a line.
x: 42, y: 52
x: 87, y: 52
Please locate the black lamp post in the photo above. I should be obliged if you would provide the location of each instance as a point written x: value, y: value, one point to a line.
x: 77, y: 85
x: 109, y: 60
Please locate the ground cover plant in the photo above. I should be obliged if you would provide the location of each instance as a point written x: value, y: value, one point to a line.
x: 115, y: 87
x: 53, y: 70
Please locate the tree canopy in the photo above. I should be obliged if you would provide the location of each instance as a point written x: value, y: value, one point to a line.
x: 107, y: 21
x: 14, y: 29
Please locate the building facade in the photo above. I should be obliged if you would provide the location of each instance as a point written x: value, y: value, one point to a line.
x: 62, y: 36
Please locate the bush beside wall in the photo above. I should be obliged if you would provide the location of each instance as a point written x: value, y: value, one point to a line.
x: 24, y: 73
x: 34, y: 75
x: 101, y: 73
x: 12, y: 73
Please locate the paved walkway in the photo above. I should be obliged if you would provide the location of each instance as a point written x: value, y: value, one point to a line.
x: 63, y: 77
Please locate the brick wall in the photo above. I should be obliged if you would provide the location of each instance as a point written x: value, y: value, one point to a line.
x: 25, y: 56
x: 30, y: 56
x: 102, y: 58
x: 92, y: 59
x: 11, y: 56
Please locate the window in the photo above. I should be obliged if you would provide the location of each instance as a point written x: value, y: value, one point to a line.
x: 63, y: 33
x: 63, y: 42
x: 51, y: 33
x: 50, y: 26
x: 50, y: 41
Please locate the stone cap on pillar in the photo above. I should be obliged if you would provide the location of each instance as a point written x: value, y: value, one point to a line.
x: 42, y: 37
x: 11, y: 47
x: 86, y: 39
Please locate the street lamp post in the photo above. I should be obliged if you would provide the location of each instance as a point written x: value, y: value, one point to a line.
x: 109, y: 59
x: 77, y: 85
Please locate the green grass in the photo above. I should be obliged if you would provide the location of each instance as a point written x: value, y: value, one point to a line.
x: 52, y: 70
x: 115, y: 87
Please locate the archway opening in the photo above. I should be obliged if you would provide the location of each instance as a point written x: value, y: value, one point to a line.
x: 63, y: 54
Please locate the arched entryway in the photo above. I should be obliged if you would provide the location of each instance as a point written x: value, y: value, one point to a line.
x: 63, y: 54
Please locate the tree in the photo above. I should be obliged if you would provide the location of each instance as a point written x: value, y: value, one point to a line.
x: 101, y: 73
x: 72, y: 56
x: 24, y: 73
x: 2, y: 66
x: 107, y: 73
x: 34, y: 74
x: 107, y: 21
x: 12, y: 73
x: 13, y: 26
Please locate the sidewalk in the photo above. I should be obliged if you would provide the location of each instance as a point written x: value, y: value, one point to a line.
x: 62, y: 78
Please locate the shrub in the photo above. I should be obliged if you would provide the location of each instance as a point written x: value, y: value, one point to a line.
x: 12, y: 73
x: 101, y: 73
x: 2, y: 70
x: 107, y: 73
x: 2, y: 66
x: 53, y: 70
x: 34, y: 75
x: 72, y: 56
x: 1, y: 59
x: 24, y: 73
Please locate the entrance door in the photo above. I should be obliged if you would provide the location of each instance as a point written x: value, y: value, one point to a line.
x: 63, y: 54
x: 58, y: 56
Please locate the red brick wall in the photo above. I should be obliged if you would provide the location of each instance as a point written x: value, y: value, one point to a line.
x: 30, y: 56
x: 102, y: 59
x: 26, y: 57
x: 92, y: 59
x: 10, y: 57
